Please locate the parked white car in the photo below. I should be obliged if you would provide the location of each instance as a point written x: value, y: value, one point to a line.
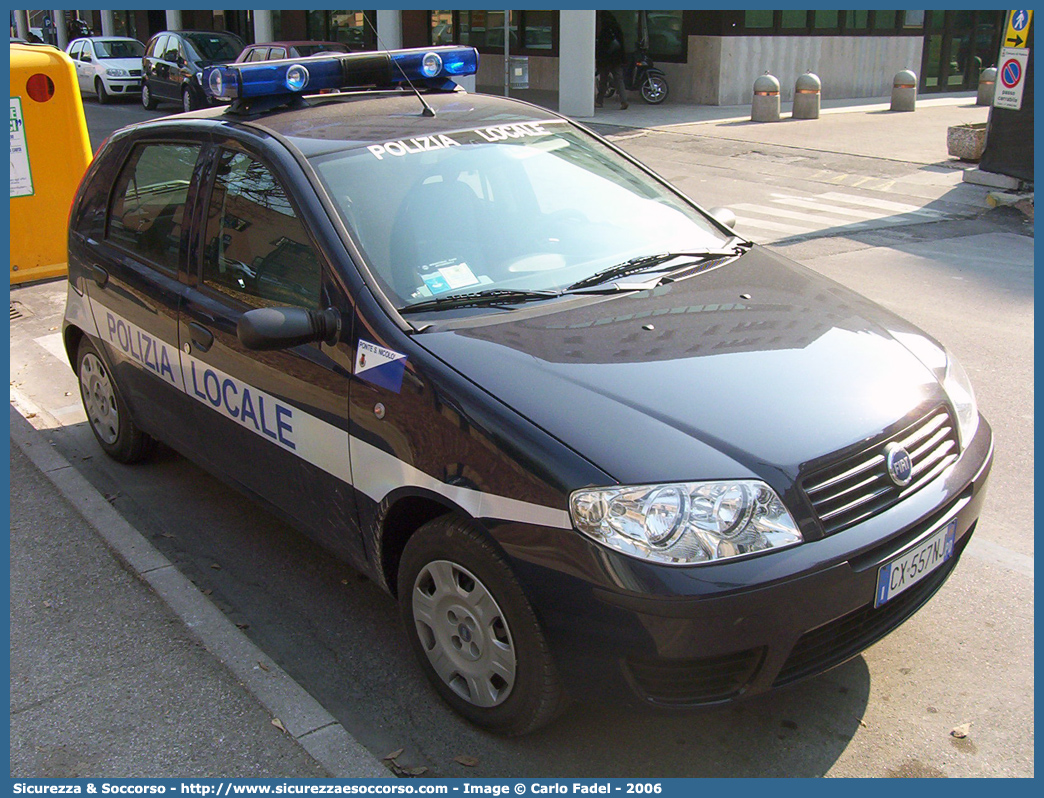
x: 108, y: 66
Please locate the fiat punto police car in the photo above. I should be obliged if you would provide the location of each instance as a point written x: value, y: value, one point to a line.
x: 593, y: 441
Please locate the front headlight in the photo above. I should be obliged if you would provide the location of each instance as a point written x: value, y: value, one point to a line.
x: 114, y: 72
x: 685, y: 523
x: 958, y: 387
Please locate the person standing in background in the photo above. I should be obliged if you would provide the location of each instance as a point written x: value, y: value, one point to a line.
x: 609, y: 57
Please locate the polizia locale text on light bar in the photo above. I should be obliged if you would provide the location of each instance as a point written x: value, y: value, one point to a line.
x: 431, y: 67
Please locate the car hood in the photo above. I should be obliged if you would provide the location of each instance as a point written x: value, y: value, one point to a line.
x: 754, y: 368
x: 120, y: 63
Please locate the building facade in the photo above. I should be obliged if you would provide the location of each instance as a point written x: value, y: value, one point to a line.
x: 710, y: 57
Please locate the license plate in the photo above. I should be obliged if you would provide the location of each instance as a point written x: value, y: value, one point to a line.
x: 909, y: 569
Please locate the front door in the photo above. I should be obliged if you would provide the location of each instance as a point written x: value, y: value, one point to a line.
x: 275, y: 422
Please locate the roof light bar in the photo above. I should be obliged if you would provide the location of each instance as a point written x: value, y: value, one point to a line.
x: 339, y: 71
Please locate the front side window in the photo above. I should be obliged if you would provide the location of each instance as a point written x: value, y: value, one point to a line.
x: 530, y: 206
x: 148, y: 208
x: 257, y: 251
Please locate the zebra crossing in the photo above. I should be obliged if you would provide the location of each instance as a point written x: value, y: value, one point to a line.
x: 787, y: 214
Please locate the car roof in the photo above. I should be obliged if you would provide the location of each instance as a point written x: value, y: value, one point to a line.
x: 296, y: 43
x: 328, y: 123
x: 181, y: 32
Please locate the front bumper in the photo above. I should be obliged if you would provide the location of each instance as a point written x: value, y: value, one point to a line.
x: 122, y: 85
x: 691, y: 636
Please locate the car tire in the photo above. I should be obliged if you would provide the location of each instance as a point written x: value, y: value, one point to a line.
x: 107, y: 413
x: 654, y: 89
x: 99, y: 91
x: 147, y: 100
x: 188, y: 101
x: 473, y: 631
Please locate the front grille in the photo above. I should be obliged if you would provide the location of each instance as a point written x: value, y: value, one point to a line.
x: 135, y: 73
x: 859, y: 486
x: 695, y: 681
x: 840, y: 640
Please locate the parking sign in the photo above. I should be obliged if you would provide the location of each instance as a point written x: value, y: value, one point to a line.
x: 1011, y: 78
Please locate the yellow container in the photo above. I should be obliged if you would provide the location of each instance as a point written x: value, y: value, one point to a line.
x: 50, y: 151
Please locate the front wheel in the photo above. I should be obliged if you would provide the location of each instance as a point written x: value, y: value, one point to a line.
x: 188, y: 102
x: 147, y: 99
x: 99, y: 89
x: 107, y: 413
x: 654, y: 89
x: 473, y: 631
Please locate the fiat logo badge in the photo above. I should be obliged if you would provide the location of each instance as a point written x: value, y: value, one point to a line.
x: 899, y: 465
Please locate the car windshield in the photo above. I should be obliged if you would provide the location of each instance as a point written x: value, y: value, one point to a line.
x: 524, y: 207
x: 214, y: 46
x: 119, y: 48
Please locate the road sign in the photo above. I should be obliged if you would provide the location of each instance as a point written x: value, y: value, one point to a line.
x: 1017, y: 33
x: 1011, y: 78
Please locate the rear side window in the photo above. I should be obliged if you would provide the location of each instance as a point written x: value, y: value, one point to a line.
x: 257, y: 54
x: 148, y: 207
x: 257, y: 250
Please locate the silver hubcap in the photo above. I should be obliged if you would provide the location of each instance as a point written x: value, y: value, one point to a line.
x: 653, y: 88
x: 99, y: 399
x: 145, y: 95
x: 186, y: 102
x: 464, y: 633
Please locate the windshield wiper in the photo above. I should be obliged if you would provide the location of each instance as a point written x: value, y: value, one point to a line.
x: 648, y: 262
x: 490, y: 296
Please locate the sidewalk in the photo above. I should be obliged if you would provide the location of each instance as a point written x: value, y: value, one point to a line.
x: 112, y: 677
x: 861, y: 127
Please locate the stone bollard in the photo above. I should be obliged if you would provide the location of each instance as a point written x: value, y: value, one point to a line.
x: 904, y: 91
x: 806, y: 96
x: 987, y: 85
x: 765, y: 107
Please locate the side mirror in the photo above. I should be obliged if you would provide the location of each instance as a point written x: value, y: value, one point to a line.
x: 280, y: 328
x: 724, y: 216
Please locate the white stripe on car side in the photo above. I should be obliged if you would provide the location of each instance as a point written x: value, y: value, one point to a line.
x: 371, y: 470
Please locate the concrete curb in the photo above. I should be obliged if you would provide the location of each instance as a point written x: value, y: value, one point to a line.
x: 304, y: 719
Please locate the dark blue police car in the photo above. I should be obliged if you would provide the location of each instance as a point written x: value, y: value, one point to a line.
x: 594, y: 442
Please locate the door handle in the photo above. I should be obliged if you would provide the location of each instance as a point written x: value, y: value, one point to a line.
x: 201, y: 336
x: 100, y: 276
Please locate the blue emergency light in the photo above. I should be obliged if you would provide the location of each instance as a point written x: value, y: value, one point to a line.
x: 431, y: 66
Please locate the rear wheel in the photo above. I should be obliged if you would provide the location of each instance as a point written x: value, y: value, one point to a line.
x: 110, y: 420
x: 654, y: 89
x: 473, y: 631
x: 147, y: 99
x: 99, y: 90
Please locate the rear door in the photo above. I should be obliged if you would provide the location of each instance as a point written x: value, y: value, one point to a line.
x: 274, y: 422
x: 136, y: 287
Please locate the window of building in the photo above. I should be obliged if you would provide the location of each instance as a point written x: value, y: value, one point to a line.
x: 257, y: 250
x: 794, y: 19
x: 665, y: 34
x: 149, y: 202
x: 529, y: 32
x: 884, y: 20
x: 857, y: 20
x: 826, y: 20
x: 354, y: 28
x: 757, y: 19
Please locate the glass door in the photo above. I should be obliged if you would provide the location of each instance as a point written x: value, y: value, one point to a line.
x: 958, y: 45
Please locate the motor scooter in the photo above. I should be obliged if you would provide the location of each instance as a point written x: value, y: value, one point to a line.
x: 644, y: 77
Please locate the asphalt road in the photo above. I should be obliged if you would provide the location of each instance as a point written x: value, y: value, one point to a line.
x: 963, y: 275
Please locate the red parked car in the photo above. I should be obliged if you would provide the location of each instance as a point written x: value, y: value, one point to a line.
x: 270, y: 51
